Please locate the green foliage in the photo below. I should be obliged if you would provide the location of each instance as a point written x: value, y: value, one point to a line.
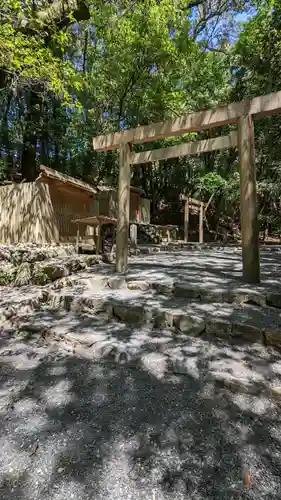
x: 5, y: 278
x: 257, y: 70
x: 41, y: 278
x: 31, y: 52
x: 68, y: 73
x: 211, y: 183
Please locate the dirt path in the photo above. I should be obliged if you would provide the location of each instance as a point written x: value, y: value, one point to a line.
x: 71, y: 427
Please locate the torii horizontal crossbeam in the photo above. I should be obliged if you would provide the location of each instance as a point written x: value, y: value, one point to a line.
x: 189, y: 148
x: 194, y: 122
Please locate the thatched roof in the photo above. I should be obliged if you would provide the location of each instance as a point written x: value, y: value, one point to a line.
x: 50, y: 173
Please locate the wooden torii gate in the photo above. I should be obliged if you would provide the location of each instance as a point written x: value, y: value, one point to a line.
x: 198, y: 207
x: 240, y: 113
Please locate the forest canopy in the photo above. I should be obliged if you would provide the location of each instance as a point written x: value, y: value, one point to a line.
x: 70, y: 70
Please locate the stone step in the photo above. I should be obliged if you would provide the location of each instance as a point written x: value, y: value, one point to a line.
x: 175, y: 306
x: 203, y: 292
x: 252, y: 368
x: 162, y: 335
x: 247, y: 322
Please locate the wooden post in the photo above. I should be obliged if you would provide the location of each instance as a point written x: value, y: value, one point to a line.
x: 201, y: 228
x: 248, y: 200
x: 133, y: 235
x: 138, y: 208
x: 186, y: 219
x: 98, y: 239
x: 77, y: 238
x: 123, y: 209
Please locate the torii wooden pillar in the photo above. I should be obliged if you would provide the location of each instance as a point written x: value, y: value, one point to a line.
x: 240, y: 113
x: 123, y: 219
x: 248, y: 200
x: 186, y: 219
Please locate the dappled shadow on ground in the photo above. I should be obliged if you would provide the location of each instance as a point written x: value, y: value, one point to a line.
x: 154, y: 424
x: 115, y: 431
x: 213, y: 267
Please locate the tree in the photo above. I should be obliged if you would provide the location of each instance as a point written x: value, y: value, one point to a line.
x: 257, y: 70
x: 32, y: 41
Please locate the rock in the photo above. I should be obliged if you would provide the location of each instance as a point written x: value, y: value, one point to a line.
x: 214, y: 295
x: 27, y: 252
x: 95, y: 305
x: 66, y: 302
x: 94, y: 282
x: 218, y: 327
x: 154, y: 363
x: 60, y: 301
x: 144, y: 250
x: 189, y: 324
x: 235, y: 384
x: 130, y: 314
x: 244, y: 297
x: 186, y: 290
x: 91, y: 260
x: 163, y: 319
x: 5, y: 254
x: 17, y: 256
x: 164, y: 288
x: 37, y: 255
x: 109, y: 352
x: 65, y: 283
x: 9, y: 312
x: 248, y: 332
x: 273, y: 338
x: 257, y: 298
x: 274, y: 299
x: 116, y: 283
x: 75, y: 264
x: 134, y: 251
x: 51, y: 271
x: 7, y: 273
x: 113, y: 353
x: 240, y: 297
x: 276, y: 393
x: 24, y: 275
x: 40, y: 277
x: 43, y: 296
x: 138, y: 285
x: 108, y: 258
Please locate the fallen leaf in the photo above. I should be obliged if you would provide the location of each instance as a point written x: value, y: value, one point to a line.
x: 34, y: 449
x: 246, y: 479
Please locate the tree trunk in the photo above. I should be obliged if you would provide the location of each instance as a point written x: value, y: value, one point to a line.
x: 6, y: 147
x: 28, y: 157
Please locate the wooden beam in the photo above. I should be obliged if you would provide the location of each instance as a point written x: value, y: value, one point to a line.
x: 248, y: 201
x: 192, y: 201
x: 186, y: 219
x: 122, y: 231
x: 194, y: 208
x: 189, y: 148
x: 201, y: 222
x: 259, y: 106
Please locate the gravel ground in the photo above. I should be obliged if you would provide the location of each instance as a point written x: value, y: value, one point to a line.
x: 77, y: 428
x: 216, y: 268
x: 83, y: 430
